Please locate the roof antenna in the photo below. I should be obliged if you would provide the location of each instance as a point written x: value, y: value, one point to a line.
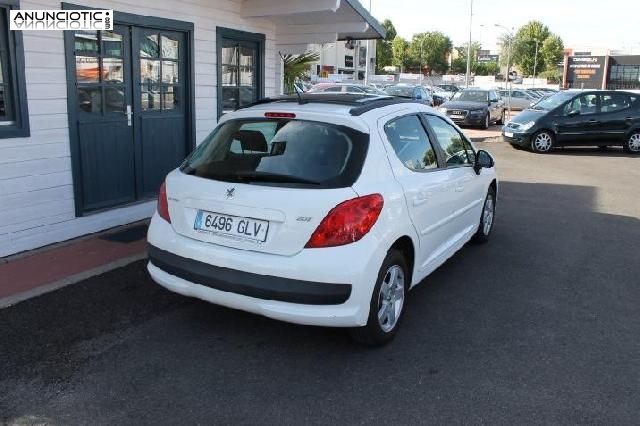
x: 299, y: 95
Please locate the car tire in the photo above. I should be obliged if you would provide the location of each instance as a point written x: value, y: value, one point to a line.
x: 501, y: 121
x: 487, y: 121
x: 381, y: 326
x: 542, y: 142
x: 486, y: 218
x: 632, y: 144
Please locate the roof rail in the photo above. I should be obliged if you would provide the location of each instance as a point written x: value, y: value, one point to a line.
x: 360, y: 103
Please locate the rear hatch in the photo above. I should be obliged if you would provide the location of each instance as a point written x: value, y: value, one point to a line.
x: 265, y: 184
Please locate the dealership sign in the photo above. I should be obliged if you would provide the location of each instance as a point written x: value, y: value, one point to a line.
x: 585, y: 72
x: 488, y: 58
x: 84, y: 19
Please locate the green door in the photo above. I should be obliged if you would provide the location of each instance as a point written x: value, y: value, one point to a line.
x: 130, y: 113
x: 102, y: 70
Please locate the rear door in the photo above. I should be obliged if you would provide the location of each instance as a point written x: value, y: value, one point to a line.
x: 469, y: 188
x: 616, y: 116
x: 426, y: 185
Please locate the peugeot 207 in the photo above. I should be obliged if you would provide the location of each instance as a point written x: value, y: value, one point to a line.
x: 322, y: 211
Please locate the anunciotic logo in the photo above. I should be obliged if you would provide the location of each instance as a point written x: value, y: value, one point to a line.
x: 87, y: 19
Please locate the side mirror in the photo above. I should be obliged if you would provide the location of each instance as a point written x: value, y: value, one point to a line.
x: 418, y: 96
x: 483, y: 161
x: 573, y: 113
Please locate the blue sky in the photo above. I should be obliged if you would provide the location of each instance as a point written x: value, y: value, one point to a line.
x: 580, y: 23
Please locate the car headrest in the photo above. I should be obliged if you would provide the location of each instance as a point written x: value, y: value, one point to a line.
x: 251, y: 140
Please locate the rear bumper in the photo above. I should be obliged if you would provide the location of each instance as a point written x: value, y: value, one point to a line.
x: 245, y: 283
x: 326, y: 287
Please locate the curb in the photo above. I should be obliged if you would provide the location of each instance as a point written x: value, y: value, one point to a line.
x: 72, y: 279
x: 487, y: 139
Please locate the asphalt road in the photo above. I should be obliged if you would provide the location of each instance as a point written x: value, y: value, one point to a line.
x: 541, y: 325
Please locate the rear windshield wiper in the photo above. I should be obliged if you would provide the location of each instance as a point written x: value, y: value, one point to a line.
x: 255, y: 176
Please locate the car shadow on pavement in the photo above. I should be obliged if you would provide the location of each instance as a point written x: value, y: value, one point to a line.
x: 587, y: 151
x: 612, y: 151
x: 530, y: 325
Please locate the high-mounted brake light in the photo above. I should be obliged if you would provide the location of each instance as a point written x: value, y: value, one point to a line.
x: 347, y: 222
x: 279, y: 115
x: 163, y: 204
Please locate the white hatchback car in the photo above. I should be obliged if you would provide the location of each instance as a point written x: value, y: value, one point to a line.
x: 322, y: 212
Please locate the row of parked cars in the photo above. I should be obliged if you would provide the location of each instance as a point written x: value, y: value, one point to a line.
x: 548, y: 118
x: 429, y: 95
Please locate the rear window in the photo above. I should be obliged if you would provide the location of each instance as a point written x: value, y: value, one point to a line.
x: 281, y: 152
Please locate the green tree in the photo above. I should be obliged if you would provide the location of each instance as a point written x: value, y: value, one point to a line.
x: 384, y: 47
x: 430, y: 50
x: 531, y: 36
x: 486, y: 68
x: 399, y: 48
x: 462, y: 58
x: 459, y: 65
x: 552, y: 52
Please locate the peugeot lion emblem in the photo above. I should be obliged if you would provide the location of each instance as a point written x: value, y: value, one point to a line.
x: 230, y: 192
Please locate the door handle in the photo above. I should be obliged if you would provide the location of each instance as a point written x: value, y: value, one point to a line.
x: 593, y: 122
x: 129, y: 114
x: 459, y: 188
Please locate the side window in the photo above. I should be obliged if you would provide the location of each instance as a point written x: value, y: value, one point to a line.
x: 451, y: 141
x: 614, y: 102
x: 586, y: 104
x: 333, y: 89
x: 411, y: 143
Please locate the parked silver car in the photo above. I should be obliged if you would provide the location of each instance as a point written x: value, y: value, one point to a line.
x: 519, y: 99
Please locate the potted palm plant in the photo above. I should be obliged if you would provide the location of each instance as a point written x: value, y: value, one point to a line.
x: 296, y: 68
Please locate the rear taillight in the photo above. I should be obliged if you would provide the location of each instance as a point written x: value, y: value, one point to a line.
x: 163, y: 204
x: 347, y: 222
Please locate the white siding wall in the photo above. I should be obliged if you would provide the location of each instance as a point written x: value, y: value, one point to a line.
x: 36, y: 188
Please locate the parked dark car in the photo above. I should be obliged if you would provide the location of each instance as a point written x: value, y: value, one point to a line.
x: 449, y: 87
x: 410, y: 91
x: 475, y: 107
x: 573, y: 117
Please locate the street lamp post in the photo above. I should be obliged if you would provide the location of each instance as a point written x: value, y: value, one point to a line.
x: 535, y: 60
x: 421, y: 61
x: 509, y: 45
x: 468, y: 74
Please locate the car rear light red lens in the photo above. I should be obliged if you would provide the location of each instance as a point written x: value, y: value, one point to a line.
x: 163, y: 204
x: 279, y: 115
x: 347, y: 222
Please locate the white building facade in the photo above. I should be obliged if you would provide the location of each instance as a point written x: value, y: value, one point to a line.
x: 91, y: 121
x: 347, y: 59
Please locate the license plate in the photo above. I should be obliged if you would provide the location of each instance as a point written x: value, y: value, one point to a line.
x: 457, y: 117
x: 233, y: 227
x: 508, y: 134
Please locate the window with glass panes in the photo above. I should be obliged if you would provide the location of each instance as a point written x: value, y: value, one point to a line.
x: 240, y: 73
x: 160, y: 79
x: 99, y: 72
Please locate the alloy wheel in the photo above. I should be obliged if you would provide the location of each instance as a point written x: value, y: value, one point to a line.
x: 634, y: 142
x: 543, y: 142
x: 391, y: 298
x: 487, y: 215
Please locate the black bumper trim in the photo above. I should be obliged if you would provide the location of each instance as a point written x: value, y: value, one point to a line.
x: 265, y: 287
